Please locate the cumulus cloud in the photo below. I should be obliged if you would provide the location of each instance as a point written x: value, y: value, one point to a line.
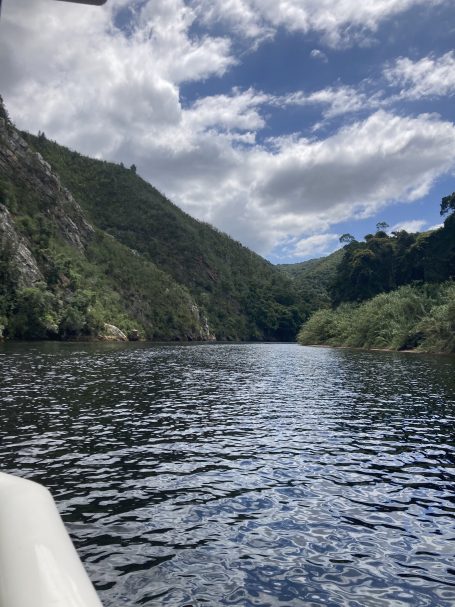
x: 341, y: 23
x: 239, y: 111
x: 71, y: 70
x: 411, y: 226
x: 308, y: 185
x: 315, y: 246
x: 430, y: 76
x: 115, y: 93
x: 364, y: 165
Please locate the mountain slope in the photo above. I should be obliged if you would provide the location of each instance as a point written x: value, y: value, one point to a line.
x: 313, y: 280
x: 60, y: 277
x: 85, y: 242
x: 243, y: 296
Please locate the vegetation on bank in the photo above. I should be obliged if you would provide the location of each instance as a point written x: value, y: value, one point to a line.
x: 392, y: 291
x: 413, y: 316
x: 383, y: 262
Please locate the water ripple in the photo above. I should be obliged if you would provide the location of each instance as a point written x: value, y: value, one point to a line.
x: 242, y: 475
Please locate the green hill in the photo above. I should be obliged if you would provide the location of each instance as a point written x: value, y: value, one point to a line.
x: 242, y: 295
x: 313, y: 280
x: 85, y: 242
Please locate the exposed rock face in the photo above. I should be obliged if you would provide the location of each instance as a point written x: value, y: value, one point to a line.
x: 21, y: 164
x: 29, y: 272
x: 113, y: 333
x: 203, y: 333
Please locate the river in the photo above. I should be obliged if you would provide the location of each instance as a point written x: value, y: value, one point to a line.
x: 242, y: 474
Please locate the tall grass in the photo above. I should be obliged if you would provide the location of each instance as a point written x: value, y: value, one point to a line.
x: 421, y: 317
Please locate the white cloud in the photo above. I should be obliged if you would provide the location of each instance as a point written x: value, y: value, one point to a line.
x: 336, y: 101
x: 305, y: 186
x: 237, y: 112
x: 363, y: 166
x: 430, y: 76
x: 320, y: 55
x: 340, y: 22
x: 411, y: 226
x: 91, y: 85
x: 315, y: 246
x: 70, y: 72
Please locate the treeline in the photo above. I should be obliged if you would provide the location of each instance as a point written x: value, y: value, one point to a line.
x: 384, y: 262
x: 392, y: 291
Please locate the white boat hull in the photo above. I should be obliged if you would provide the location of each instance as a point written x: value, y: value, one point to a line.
x: 39, y: 566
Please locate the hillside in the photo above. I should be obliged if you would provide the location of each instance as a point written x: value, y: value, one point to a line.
x: 85, y: 242
x: 60, y: 277
x: 313, y: 280
x: 242, y: 295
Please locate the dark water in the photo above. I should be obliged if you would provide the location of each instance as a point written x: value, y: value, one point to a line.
x: 242, y: 474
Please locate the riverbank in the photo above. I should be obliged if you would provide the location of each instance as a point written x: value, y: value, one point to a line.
x: 411, y: 319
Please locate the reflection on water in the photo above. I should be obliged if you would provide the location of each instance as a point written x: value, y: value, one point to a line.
x: 242, y: 474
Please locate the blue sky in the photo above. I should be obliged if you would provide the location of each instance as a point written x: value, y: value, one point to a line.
x: 284, y: 123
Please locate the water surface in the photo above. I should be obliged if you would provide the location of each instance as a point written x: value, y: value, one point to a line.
x: 270, y: 475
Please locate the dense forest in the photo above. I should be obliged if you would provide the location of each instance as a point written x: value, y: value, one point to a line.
x: 392, y: 291
x: 85, y: 243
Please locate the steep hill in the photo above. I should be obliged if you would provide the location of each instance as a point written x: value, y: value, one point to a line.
x: 313, y: 280
x: 242, y: 295
x: 60, y: 276
x: 85, y: 242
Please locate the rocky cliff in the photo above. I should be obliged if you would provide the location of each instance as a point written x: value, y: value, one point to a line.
x: 34, y: 177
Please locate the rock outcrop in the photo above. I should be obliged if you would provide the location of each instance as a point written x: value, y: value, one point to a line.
x: 23, y: 166
x: 113, y: 333
x: 203, y: 330
x: 22, y: 257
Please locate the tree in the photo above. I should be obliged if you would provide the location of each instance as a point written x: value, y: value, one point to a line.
x: 133, y: 168
x: 382, y: 226
x: 448, y: 204
x: 347, y: 238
